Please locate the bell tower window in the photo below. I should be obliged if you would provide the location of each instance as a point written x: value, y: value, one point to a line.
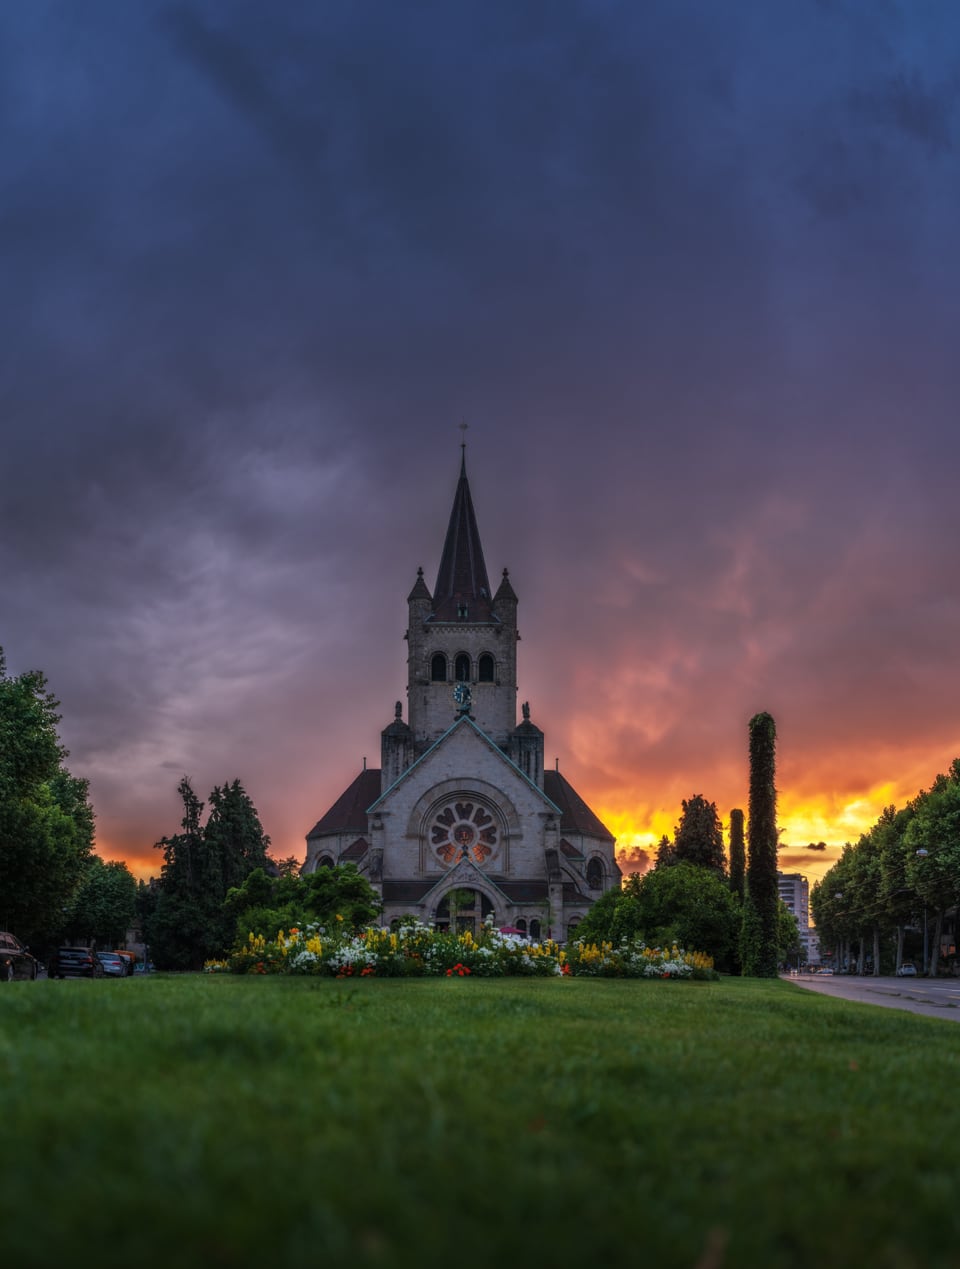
x: 438, y: 668
x: 462, y: 668
x: 485, y: 668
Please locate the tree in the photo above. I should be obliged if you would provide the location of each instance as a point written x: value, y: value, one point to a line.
x: 932, y: 840
x: 46, y: 821
x: 263, y: 904
x: 685, y: 904
x: 615, y: 915
x: 104, y: 905
x: 202, y: 863
x: 234, y: 840
x: 698, y: 838
x: 898, y: 897
x: 691, y: 906
x: 758, y: 943
x: 666, y: 855
x: 788, y: 935
x: 596, y: 926
x: 738, y: 858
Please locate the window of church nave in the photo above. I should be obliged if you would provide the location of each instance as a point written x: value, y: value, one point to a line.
x: 485, y: 668
x: 325, y: 861
x: 438, y: 668
x: 535, y: 930
x: 522, y: 925
x: 595, y: 874
x: 462, y: 671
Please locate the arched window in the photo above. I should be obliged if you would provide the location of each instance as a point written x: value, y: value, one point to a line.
x: 438, y: 668
x: 595, y: 874
x: 485, y: 668
x: 522, y: 925
x: 462, y: 668
x: 325, y: 861
x: 535, y: 930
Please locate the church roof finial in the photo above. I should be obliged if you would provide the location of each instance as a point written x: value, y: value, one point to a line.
x: 463, y: 450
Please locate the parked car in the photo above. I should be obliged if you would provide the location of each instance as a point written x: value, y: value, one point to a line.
x: 74, y: 962
x: 907, y: 970
x: 15, y: 959
x: 129, y: 960
x: 114, y: 966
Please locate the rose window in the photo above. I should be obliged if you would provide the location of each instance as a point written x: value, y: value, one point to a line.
x: 463, y: 830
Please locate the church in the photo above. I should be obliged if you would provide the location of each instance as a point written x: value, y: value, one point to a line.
x: 461, y: 821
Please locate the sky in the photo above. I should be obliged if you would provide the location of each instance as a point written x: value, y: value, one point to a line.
x: 689, y: 272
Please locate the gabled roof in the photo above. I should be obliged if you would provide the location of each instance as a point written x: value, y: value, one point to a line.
x: 356, y: 850
x: 462, y: 578
x: 466, y: 873
x: 466, y: 721
x: 576, y: 815
x: 349, y: 813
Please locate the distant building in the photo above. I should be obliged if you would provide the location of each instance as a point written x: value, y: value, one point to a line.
x: 461, y: 821
x: 795, y: 892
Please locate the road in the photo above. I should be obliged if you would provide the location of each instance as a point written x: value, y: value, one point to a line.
x: 934, y: 997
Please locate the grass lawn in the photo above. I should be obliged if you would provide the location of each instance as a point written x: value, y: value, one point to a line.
x: 223, y: 1121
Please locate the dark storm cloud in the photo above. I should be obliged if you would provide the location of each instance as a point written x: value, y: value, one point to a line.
x: 690, y: 275
x: 920, y: 111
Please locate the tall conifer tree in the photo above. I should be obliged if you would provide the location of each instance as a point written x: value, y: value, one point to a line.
x: 699, y: 836
x: 758, y: 947
x: 738, y: 857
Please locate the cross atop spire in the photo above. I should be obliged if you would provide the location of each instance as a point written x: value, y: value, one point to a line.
x: 463, y: 449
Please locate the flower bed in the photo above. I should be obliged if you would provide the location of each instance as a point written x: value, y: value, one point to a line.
x: 414, y: 950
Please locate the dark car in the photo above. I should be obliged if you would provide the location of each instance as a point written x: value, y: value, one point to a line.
x: 114, y: 965
x: 74, y: 962
x: 15, y: 959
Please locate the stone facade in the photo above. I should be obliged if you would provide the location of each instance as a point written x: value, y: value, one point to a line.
x: 461, y: 821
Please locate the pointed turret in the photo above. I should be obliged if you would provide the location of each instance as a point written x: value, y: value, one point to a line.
x: 462, y: 592
x: 420, y: 591
x: 396, y: 749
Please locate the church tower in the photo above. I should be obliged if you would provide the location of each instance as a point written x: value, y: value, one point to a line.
x: 461, y: 638
x: 461, y: 811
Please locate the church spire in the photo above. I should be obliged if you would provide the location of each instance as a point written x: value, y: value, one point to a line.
x: 462, y: 591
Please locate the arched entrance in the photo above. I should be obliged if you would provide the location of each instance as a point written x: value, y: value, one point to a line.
x: 469, y: 909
